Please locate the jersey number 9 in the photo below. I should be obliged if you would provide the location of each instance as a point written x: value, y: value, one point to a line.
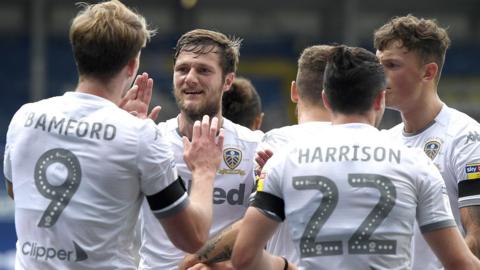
x: 59, y: 195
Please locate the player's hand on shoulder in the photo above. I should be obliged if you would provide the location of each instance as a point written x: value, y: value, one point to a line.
x: 204, y: 152
x: 216, y: 266
x: 261, y: 158
x: 188, y: 261
x: 137, y: 100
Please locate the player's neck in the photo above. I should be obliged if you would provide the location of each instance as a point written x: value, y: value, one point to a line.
x: 421, y: 115
x: 368, y: 117
x: 312, y: 115
x: 108, y: 90
x: 185, y: 124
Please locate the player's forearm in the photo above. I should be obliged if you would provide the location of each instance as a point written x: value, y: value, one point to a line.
x: 220, y: 247
x: 470, y: 217
x: 467, y: 263
x: 201, y: 198
x: 473, y: 243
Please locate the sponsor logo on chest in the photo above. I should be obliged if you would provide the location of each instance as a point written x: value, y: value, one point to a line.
x: 233, y: 196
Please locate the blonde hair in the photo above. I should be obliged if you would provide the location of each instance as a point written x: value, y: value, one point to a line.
x: 105, y: 36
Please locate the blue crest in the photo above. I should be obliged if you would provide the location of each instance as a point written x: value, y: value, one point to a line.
x: 232, y: 157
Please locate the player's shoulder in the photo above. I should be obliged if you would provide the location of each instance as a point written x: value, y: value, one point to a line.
x: 285, y: 131
x: 241, y: 133
x: 457, y: 122
x: 395, y: 130
x: 294, y: 131
x: 169, y: 125
x: 458, y: 128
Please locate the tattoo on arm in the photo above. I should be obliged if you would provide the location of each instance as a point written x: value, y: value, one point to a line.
x: 219, y: 248
x: 225, y: 255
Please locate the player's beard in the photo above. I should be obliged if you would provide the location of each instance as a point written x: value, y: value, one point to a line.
x: 210, y: 107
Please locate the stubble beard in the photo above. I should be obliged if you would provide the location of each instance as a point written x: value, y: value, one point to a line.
x: 210, y: 107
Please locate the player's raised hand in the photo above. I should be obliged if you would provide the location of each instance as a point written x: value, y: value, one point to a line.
x: 204, y: 152
x: 137, y: 100
x: 261, y: 159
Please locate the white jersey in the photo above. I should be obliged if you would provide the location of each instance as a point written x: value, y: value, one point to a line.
x: 79, y: 181
x: 452, y: 141
x: 350, y: 197
x: 281, y: 243
x: 233, y: 185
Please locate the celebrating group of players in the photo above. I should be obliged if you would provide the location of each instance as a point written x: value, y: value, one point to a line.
x: 98, y: 185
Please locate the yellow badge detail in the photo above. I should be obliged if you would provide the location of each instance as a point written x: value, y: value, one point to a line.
x: 260, y: 185
x: 473, y: 171
x: 260, y: 181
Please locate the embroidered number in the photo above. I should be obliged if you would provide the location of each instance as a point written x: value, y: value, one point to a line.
x: 61, y: 194
x: 360, y: 242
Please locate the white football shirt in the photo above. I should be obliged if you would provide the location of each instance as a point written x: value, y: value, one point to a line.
x: 452, y: 141
x: 80, y: 167
x: 350, y: 197
x: 233, y: 185
x: 281, y: 243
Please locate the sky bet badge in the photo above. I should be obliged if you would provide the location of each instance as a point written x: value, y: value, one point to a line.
x: 473, y: 171
x: 432, y: 147
x: 232, y: 158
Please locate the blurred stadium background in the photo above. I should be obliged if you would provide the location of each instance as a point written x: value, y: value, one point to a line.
x: 38, y: 63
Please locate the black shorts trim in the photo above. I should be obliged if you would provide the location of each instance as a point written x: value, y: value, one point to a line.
x: 167, y: 196
x: 270, y: 203
x: 469, y: 187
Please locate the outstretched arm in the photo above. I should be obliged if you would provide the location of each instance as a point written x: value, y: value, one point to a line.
x: 451, y: 250
x: 254, y: 233
x: 189, y: 228
x: 470, y: 216
x: 217, y: 249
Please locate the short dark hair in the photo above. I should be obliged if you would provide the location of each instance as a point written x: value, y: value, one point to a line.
x: 241, y: 104
x: 311, y: 66
x: 422, y: 36
x: 105, y: 36
x: 353, y: 78
x: 201, y: 41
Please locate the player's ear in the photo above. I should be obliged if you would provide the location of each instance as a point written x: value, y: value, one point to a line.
x: 379, y: 102
x: 132, y: 66
x: 258, y: 121
x: 326, y: 103
x: 294, y: 92
x: 430, y: 71
x: 229, y: 78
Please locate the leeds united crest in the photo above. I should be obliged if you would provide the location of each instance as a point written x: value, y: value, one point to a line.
x: 232, y: 158
x: 432, y: 147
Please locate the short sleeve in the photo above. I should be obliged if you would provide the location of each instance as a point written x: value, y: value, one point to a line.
x: 466, y: 166
x: 156, y: 162
x: 273, y: 141
x: 433, y: 209
x: 269, y: 196
x: 10, y: 143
